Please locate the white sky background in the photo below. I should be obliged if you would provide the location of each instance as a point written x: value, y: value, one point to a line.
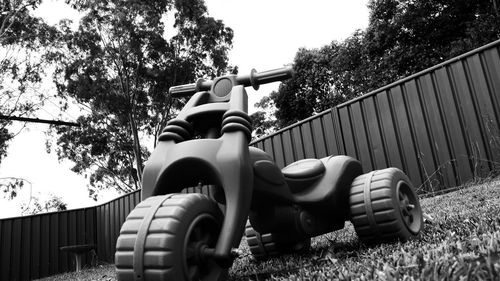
x: 267, y: 35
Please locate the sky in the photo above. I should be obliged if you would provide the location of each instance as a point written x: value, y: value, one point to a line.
x: 267, y: 35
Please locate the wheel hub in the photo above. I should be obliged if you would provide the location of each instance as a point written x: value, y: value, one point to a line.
x: 201, y: 236
x: 409, y: 208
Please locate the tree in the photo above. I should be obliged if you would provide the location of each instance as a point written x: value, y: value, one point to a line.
x: 118, y: 66
x: 323, y: 78
x: 10, y: 186
x: 262, y: 122
x: 402, y: 38
x: 23, y: 41
x: 35, y: 206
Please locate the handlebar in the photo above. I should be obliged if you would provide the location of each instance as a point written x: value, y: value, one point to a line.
x: 190, y: 89
x: 254, y: 79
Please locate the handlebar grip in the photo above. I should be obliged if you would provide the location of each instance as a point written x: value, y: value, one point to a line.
x: 190, y: 89
x: 182, y: 90
x: 255, y: 79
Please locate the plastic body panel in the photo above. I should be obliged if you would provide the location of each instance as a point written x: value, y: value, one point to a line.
x: 223, y: 161
x: 322, y: 198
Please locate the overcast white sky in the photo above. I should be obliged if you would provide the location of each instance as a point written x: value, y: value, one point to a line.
x: 267, y: 34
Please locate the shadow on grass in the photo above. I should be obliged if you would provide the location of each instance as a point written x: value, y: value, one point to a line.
x: 324, y: 252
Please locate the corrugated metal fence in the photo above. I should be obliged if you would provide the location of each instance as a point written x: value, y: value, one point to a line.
x: 30, y: 245
x: 441, y: 126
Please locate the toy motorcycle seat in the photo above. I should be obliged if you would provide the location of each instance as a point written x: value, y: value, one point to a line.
x: 306, y: 168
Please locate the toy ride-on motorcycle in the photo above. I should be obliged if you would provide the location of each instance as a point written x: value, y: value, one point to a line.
x: 175, y: 236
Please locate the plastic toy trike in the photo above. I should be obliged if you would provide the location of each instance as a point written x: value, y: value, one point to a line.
x: 174, y: 236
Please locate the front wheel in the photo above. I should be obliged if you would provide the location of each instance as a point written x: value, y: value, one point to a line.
x: 385, y: 207
x: 164, y: 236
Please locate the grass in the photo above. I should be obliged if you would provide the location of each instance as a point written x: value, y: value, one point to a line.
x: 460, y: 241
x: 105, y: 272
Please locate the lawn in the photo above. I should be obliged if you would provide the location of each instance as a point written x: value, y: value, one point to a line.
x: 460, y: 241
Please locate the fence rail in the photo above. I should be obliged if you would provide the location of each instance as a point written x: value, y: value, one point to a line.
x: 441, y: 126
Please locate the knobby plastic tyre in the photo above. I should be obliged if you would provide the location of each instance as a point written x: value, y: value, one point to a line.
x: 384, y: 207
x: 263, y: 246
x: 163, y: 237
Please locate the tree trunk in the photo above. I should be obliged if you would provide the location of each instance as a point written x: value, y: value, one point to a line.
x: 137, y: 149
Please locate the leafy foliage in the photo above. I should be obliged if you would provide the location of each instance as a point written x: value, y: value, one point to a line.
x: 23, y: 41
x: 35, y: 206
x: 118, y: 66
x: 261, y: 119
x: 5, y: 136
x: 402, y: 38
x: 10, y: 187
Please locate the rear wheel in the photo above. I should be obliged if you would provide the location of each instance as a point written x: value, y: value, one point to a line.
x: 163, y: 238
x: 267, y: 245
x: 385, y: 207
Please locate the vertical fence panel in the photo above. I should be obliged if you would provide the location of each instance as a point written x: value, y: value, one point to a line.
x: 319, y: 137
x: 26, y: 248
x: 362, y: 141
x: 110, y: 212
x: 468, y: 115
x: 453, y: 126
x: 1, y: 247
x: 268, y: 147
x: 260, y: 145
x: 17, y: 245
x: 288, y: 149
x: 101, y: 241
x: 337, y: 128
x: 330, y: 136
x: 484, y: 98
x: 346, y: 132
x: 298, y: 140
x: 405, y: 136
x: 445, y: 173
x: 308, y: 143
x: 54, y: 242
x: 374, y: 135
x: 491, y: 66
x: 90, y: 230
x: 35, y: 247
x: 116, y: 224
x: 107, y: 231
x: 44, y: 246
x: 64, y: 257
x: 72, y: 236
x: 2, y: 237
x: 6, y: 249
x: 388, y: 131
x: 279, y: 156
x: 424, y: 154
